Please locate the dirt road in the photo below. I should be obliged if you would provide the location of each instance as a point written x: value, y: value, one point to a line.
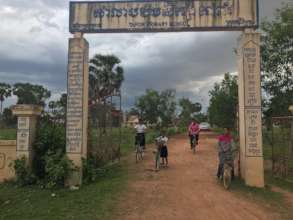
x: 188, y: 189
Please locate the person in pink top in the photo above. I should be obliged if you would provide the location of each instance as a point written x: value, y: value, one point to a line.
x: 193, y: 131
x: 225, y: 142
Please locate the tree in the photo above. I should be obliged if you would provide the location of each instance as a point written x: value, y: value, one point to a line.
x: 154, y: 106
x: 223, y: 102
x: 5, y: 92
x: 277, y: 62
x: 147, y: 106
x: 31, y: 94
x: 188, y: 110
x: 167, y: 107
x: 105, y: 76
x: 58, y: 108
x: 8, y: 118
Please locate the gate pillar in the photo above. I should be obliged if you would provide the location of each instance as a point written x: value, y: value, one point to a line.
x: 250, y: 114
x: 77, y: 105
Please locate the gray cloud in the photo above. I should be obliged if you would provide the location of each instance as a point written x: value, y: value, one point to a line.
x: 33, y: 36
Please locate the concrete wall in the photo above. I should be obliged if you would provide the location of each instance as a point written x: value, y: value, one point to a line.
x: 7, y: 156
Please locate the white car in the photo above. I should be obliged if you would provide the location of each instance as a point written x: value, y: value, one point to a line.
x: 204, y: 126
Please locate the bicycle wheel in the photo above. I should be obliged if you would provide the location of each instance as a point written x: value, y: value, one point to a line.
x: 227, y: 176
x: 193, y: 146
x: 141, y: 152
x: 157, y: 162
x: 136, y: 156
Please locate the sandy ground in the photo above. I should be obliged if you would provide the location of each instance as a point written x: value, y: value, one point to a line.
x: 188, y: 189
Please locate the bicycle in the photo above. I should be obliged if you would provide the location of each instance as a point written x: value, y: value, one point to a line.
x: 138, y: 150
x: 193, y: 143
x: 157, y: 153
x: 227, y: 172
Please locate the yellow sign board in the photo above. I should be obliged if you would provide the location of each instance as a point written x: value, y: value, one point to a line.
x: 163, y: 16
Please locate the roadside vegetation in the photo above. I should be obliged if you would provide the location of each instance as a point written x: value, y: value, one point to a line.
x: 273, y: 200
x: 7, y: 134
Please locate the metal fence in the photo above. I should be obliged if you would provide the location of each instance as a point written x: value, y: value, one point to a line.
x: 282, y: 146
x: 104, y: 129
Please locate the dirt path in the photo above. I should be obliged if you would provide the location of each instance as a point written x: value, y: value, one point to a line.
x: 186, y: 190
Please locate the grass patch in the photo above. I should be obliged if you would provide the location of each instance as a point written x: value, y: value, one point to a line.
x: 286, y: 184
x: 272, y: 200
x: 218, y: 130
x: 94, y: 201
x: 7, y: 134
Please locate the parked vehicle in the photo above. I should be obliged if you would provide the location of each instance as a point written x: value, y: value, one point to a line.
x: 204, y: 126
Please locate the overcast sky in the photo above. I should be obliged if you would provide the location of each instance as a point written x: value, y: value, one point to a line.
x: 33, y: 48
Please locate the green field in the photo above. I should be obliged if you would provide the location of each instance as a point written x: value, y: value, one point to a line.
x: 7, y: 134
x: 93, y: 201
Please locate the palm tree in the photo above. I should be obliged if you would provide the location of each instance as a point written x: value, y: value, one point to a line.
x: 5, y: 92
x: 105, y: 77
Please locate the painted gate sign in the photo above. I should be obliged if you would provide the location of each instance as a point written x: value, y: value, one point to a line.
x: 163, y: 15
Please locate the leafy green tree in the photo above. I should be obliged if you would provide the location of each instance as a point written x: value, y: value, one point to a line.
x: 5, y: 92
x: 277, y: 62
x: 167, y: 107
x: 8, y: 118
x: 31, y: 94
x: 223, y: 102
x: 147, y: 106
x: 154, y: 106
x: 189, y: 110
x: 105, y: 76
x: 58, y: 108
x: 201, y: 117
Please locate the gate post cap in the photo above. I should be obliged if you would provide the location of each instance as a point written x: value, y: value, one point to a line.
x: 27, y: 110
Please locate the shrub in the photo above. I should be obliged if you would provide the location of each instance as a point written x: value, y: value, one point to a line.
x: 171, y: 131
x: 151, y: 136
x: 50, y: 138
x: 93, y: 168
x: 50, y: 165
x: 57, y: 168
x: 182, y: 130
x: 89, y: 167
x: 23, y: 175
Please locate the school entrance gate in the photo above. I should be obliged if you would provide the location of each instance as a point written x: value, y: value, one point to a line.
x: 168, y: 16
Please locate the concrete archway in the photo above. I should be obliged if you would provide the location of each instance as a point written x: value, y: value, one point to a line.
x: 168, y: 16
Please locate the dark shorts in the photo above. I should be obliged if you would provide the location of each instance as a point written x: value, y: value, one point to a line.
x: 164, y: 152
x: 140, y: 139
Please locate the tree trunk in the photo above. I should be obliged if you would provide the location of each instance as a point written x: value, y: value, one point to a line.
x: 1, y: 106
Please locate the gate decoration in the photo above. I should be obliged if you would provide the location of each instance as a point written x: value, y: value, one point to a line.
x: 162, y: 16
x: 168, y: 16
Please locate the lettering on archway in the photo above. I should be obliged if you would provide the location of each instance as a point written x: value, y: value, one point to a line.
x: 167, y: 16
x: 160, y: 16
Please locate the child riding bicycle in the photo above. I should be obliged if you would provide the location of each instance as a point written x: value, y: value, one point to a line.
x: 140, y: 134
x: 161, y: 151
x: 225, y: 152
x: 193, y: 132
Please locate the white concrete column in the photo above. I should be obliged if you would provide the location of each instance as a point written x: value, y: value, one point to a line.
x: 26, y: 130
x: 77, y: 105
x: 250, y: 114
